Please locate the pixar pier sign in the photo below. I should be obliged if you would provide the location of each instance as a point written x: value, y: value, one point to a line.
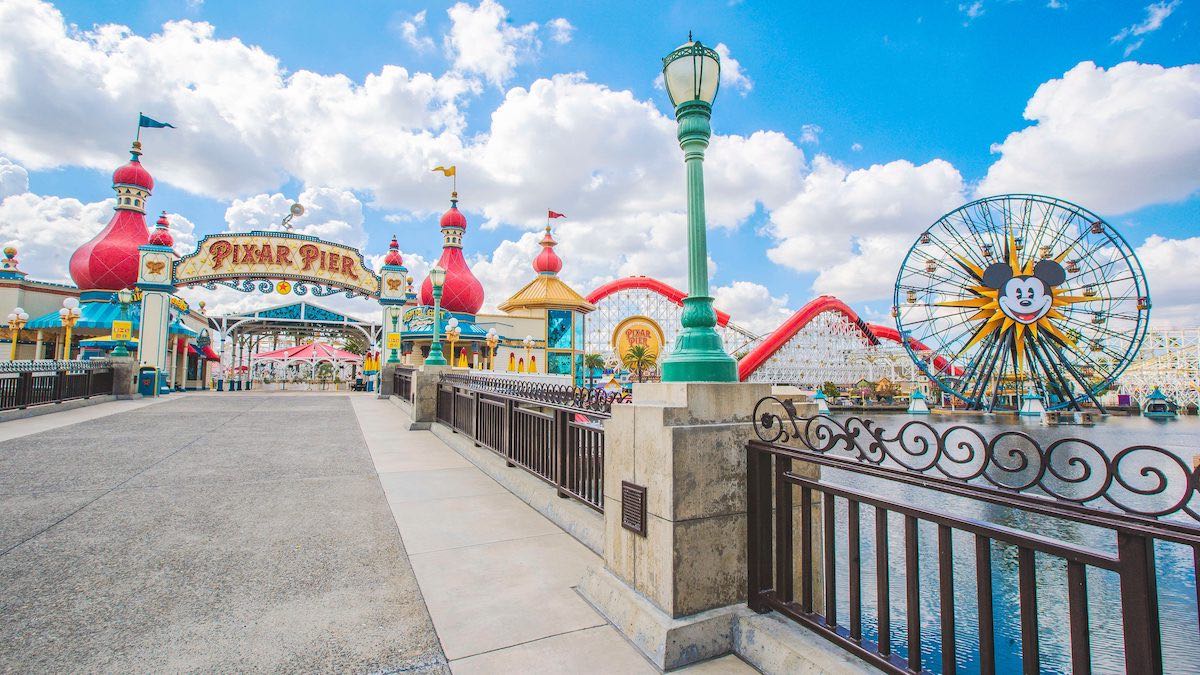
x: 276, y: 255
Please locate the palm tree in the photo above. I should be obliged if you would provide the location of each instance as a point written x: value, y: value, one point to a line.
x: 592, y: 362
x: 639, y: 359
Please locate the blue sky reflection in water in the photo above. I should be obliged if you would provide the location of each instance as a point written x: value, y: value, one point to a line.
x: 1174, y: 563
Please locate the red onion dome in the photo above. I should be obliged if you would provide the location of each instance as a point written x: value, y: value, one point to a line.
x: 393, y: 254
x: 461, y: 292
x: 453, y: 217
x: 161, y: 236
x: 547, y: 262
x: 109, y: 261
x: 134, y: 173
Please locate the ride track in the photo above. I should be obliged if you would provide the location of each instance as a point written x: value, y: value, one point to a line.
x: 770, y: 344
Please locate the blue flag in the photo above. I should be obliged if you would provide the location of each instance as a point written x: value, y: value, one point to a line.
x: 148, y: 123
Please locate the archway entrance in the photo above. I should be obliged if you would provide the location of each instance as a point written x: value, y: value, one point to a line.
x: 297, y: 345
x: 281, y: 262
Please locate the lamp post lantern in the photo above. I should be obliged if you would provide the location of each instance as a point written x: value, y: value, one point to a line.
x: 492, y: 340
x: 16, y: 321
x: 124, y: 297
x: 393, y: 357
x: 452, y: 334
x: 69, y: 314
x: 692, y: 74
x: 437, y: 277
x: 528, y: 342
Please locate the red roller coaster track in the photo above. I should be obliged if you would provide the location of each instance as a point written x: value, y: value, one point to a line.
x: 772, y: 343
x: 632, y: 283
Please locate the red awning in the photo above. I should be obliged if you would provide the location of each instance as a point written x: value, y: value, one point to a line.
x: 192, y: 351
x: 210, y: 354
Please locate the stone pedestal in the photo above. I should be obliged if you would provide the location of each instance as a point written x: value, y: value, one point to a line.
x: 424, y: 403
x: 675, y: 591
x: 387, y: 380
x: 124, y: 372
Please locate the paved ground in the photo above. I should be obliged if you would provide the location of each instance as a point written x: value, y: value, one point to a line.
x: 497, y: 576
x: 215, y: 533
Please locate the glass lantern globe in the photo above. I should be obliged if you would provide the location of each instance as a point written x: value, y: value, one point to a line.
x: 437, y: 275
x: 692, y: 72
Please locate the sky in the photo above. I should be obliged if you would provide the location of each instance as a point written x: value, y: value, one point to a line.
x: 841, y: 131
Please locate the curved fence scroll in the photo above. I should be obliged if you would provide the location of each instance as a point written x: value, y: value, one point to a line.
x: 1142, y: 480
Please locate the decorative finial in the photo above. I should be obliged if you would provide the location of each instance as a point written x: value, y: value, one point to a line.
x: 135, y: 151
x: 689, y: 36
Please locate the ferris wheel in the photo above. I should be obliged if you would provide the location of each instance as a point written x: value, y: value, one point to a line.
x: 1019, y: 296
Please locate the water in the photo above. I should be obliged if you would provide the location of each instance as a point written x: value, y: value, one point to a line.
x: 1176, y: 574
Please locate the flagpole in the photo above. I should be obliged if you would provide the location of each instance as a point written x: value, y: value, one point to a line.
x: 138, y: 136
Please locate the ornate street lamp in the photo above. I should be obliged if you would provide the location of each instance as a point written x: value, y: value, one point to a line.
x: 528, y: 342
x: 437, y: 277
x: 492, y: 340
x: 692, y: 74
x: 393, y: 357
x: 124, y: 297
x: 69, y: 314
x: 452, y: 334
x: 16, y: 321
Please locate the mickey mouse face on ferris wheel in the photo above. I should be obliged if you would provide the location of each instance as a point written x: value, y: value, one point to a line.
x: 1025, y: 298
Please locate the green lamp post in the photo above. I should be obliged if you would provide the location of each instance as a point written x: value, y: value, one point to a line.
x: 124, y: 297
x: 692, y: 73
x: 437, y: 277
x: 393, y: 357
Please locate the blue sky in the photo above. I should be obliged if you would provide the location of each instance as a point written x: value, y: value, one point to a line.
x: 860, y: 86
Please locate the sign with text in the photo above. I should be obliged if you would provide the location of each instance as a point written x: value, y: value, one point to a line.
x: 637, y: 331
x: 421, y: 319
x: 393, y: 341
x: 122, y: 330
x: 276, y: 255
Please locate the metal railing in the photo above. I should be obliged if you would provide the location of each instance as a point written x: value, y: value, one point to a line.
x: 402, y: 381
x: 30, y: 383
x: 1069, y: 506
x: 554, y: 432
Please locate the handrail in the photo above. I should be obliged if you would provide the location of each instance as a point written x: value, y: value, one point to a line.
x: 1071, y: 478
x: 48, y: 365
x: 594, y: 402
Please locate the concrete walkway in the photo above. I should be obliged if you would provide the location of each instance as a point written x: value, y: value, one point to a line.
x: 496, y: 575
x: 207, y: 532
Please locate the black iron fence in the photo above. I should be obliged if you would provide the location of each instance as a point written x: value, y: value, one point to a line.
x: 29, y: 383
x: 402, y: 381
x: 991, y: 523
x: 554, y: 432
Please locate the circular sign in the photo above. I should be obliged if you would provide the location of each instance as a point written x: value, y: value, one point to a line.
x: 283, y: 288
x: 637, y: 330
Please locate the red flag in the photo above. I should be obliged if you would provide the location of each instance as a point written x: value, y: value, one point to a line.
x: 555, y: 214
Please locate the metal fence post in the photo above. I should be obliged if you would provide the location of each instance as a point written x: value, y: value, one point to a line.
x: 510, y: 431
x: 1139, y: 602
x: 758, y: 528
x: 24, y: 389
x: 561, y: 430
x: 60, y: 380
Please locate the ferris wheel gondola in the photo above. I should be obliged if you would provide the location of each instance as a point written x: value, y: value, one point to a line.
x: 1022, y: 294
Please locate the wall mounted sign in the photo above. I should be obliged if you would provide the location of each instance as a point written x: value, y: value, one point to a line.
x: 276, y: 255
x: 122, y: 330
x: 635, y: 331
x: 421, y: 319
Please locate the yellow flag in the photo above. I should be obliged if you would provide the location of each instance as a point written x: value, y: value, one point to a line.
x: 446, y: 170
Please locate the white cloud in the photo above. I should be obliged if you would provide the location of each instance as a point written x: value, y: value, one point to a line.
x: 482, y: 42
x: 857, y: 147
x: 853, y: 227
x: 47, y: 230
x: 412, y: 30
x: 1113, y: 140
x: 244, y: 123
x: 973, y: 10
x: 731, y: 72
x: 1156, y: 13
x: 752, y: 306
x: 561, y: 30
x: 14, y: 179
x: 1172, y: 289
x: 810, y: 133
x: 329, y: 213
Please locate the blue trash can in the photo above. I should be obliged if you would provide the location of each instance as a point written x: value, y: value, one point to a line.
x: 147, y: 381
